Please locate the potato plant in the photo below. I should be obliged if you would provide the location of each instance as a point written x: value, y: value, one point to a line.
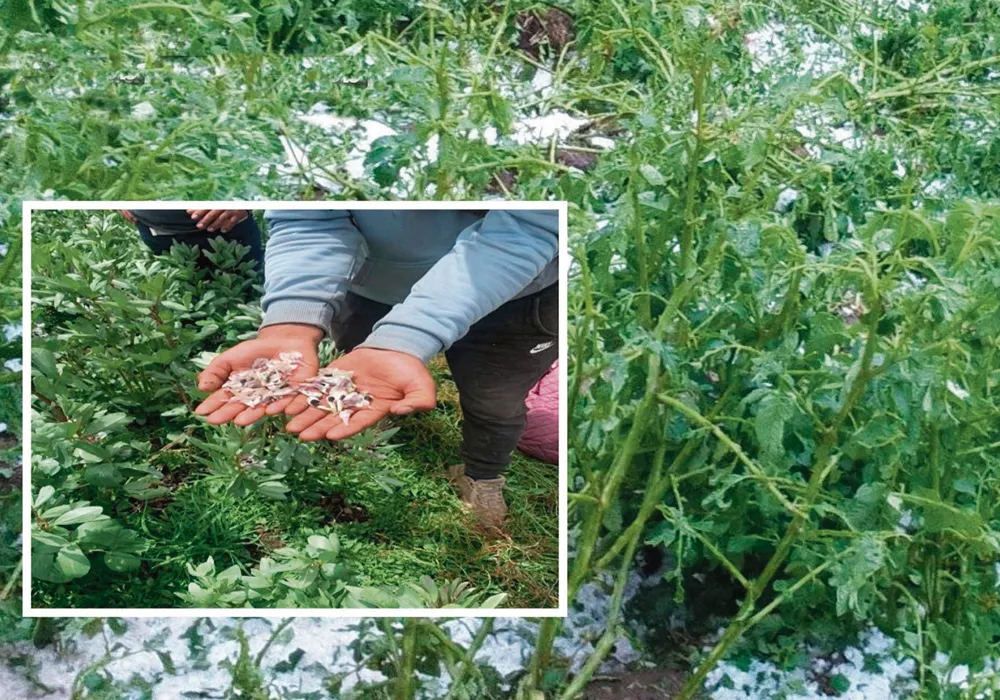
x: 820, y: 429
x: 784, y: 368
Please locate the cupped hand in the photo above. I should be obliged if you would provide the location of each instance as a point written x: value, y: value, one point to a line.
x: 269, y: 343
x: 399, y: 384
x: 218, y: 219
x: 128, y: 216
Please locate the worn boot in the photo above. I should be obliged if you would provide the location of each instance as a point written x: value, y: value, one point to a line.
x: 484, y: 497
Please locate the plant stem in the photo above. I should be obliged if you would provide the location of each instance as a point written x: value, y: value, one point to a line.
x: 405, y: 688
x: 694, y: 156
x: 469, y: 661
x: 751, y: 466
x: 270, y: 640
x: 584, y: 330
x: 643, y: 300
x: 443, y: 79
x: 607, y: 640
x: 594, y: 516
x: 57, y: 411
x: 11, y: 260
x: 13, y: 581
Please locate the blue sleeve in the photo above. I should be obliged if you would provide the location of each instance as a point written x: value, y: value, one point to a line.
x: 491, y: 263
x: 310, y: 258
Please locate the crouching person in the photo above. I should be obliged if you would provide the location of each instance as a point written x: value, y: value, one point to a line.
x: 393, y: 289
x: 159, y: 229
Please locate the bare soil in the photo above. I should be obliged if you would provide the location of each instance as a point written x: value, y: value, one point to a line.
x: 337, y: 509
x: 647, y: 684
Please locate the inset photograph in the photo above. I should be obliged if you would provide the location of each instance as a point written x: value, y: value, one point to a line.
x: 313, y: 406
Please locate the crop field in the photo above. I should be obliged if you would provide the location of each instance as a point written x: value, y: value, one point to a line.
x: 784, y: 319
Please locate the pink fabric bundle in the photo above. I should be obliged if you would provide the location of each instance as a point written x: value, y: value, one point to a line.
x: 541, y: 433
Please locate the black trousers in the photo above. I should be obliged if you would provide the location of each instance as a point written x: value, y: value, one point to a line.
x: 494, y: 366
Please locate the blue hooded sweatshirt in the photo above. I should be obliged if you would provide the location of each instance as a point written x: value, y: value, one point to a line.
x: 441, y: 271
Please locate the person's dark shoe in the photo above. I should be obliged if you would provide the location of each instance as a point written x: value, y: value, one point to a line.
x: 483, y: 497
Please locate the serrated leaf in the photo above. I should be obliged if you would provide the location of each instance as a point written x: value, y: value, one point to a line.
x: 773, y: 411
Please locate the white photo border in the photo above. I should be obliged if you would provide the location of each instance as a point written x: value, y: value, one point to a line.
x: 564, y: 266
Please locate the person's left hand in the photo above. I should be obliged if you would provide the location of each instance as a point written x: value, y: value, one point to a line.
x: 399, y: 384
x: 218, y: 219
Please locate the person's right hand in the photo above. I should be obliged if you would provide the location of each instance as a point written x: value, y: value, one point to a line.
x: 270, y: 342
x: 221, y: 219
x: 128, y: 216
x: 397, y: 382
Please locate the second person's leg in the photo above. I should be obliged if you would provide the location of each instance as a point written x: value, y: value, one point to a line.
x: 494, y: 366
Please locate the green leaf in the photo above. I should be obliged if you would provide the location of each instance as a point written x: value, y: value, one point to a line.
x: 103, y: 475
x: 93, y: 627
x: 167, y: 661
x: 54, y: 512
x: 773, y: 411
x: 109, y: 536
x: 966, y: 485
x: 373, y: 597
x: 840, y: 683
x: 854, y: 576
x: 493, y: 601
x: 44, y: 494
x: 107, y: 423
x: 72, y: 562
x: 46, y: 541
x: 121, y: 561
x: 79, y: 515
x: 652, y: 175
x: 319, y: 542
x: 290, y: 664
x: 273, y: 489
x: 44, y: 361
x: 693, y: 15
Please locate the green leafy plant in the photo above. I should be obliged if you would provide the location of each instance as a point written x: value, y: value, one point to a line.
x: 781, y: 190
x: 424, y: 594
x: 315, y: 575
